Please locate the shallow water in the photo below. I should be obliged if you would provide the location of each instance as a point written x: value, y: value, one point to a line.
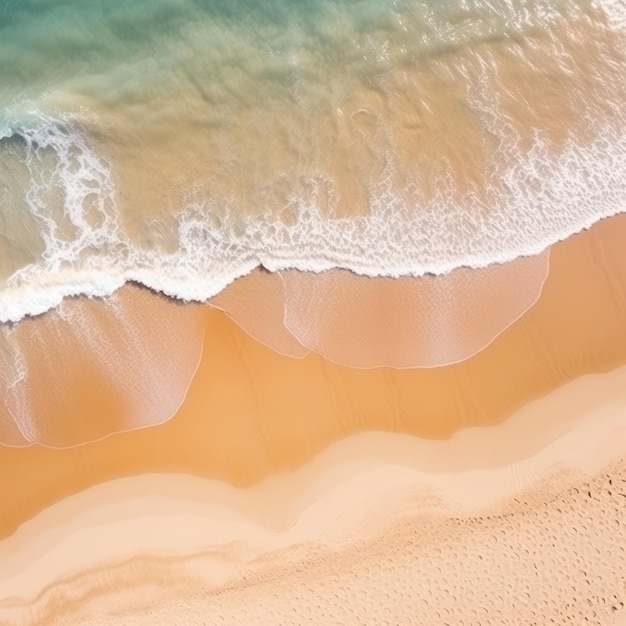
x: 181, y: 144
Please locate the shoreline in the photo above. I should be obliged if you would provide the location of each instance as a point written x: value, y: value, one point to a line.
x: 80, y: 284
x: 250, y: 412
x: 313, y: 314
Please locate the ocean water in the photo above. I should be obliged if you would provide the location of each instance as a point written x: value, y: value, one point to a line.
x: 182, y: 143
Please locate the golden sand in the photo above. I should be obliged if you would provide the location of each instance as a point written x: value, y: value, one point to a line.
x: 373, y: 509
x: 250, y: 412
x: 404, y: 322
x: 132, y: 356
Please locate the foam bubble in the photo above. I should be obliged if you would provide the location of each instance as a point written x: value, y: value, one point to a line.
x: 542, y: 201
x: 540, y: 179
x: 615, y: 12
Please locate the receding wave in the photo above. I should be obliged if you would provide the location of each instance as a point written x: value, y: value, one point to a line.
x: 430, y: 321
x: 93, y: 368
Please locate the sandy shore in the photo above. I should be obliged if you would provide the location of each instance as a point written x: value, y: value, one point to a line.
x: 250, y: 412
x: 224, y: 546
x: 274, y: 467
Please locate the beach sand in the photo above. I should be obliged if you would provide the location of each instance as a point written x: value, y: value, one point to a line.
x: 380, y: 528
x: 258, y: 420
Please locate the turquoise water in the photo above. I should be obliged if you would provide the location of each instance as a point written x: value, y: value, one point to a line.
x: 126, y: 48
x: 182, y: 143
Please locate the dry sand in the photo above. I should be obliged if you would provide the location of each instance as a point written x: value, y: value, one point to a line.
x: 251, y: 413
x: 384, y: 513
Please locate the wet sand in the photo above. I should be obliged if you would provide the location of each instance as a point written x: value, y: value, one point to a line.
x: 402, y: 322
x: 251, y: 414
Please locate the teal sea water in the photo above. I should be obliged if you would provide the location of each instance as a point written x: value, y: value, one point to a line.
x: 128, y: 49
x: 182, y: 143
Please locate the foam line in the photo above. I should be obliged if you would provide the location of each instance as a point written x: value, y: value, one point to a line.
x: 543, y: 201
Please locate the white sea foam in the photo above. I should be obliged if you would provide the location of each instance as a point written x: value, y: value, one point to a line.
x: 615, y: 12
x: 533, y: 204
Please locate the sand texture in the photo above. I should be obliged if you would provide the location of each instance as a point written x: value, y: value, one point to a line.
x: 301, y: 491
x: 380, y: 528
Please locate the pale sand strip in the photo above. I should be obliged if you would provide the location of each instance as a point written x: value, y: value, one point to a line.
x: 209, y: 533
x: 559, y: 562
